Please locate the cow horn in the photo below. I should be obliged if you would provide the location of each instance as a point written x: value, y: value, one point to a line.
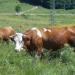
x: 11, y: 36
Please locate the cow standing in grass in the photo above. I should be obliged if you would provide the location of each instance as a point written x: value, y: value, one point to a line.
x: 50, y: 38
x: 5, y: 33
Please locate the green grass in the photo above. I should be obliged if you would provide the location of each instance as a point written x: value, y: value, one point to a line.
x: 21, y: 63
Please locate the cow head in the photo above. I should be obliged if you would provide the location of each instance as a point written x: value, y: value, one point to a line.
x: 27, y: 41
x: 17, y: 39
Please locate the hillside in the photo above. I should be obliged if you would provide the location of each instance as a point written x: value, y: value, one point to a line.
x: 8, y: 14
x: 32, y: 16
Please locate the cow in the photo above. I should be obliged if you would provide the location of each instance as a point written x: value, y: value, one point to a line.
x: 71, y: 31
x: 52, y: 39
x: 49, y: 38
x: 5, y: 32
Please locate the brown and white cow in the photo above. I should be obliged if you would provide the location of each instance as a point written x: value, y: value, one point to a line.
x: 5, y: 32
x: 50, y: 38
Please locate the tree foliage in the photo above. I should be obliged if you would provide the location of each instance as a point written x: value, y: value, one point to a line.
x: 66, y: 4
x: 18, y: 8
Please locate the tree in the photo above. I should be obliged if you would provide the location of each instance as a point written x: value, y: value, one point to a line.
x: 65, y: 4
x: 18, y: 8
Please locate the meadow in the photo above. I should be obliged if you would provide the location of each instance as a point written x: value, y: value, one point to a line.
x: 21, y: 63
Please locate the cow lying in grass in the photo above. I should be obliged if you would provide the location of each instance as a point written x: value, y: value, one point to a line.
x: 50, y: 38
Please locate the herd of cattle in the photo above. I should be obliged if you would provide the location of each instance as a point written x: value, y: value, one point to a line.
x: 35, y: 40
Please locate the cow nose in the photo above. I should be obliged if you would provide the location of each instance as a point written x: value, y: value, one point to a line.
x: 17, y: 49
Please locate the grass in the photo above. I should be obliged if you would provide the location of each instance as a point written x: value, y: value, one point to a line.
x: 21, y: 63
x: 13, y: 63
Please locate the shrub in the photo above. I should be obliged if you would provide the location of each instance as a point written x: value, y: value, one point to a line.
x: 67, y: 54
x: 18, y: 8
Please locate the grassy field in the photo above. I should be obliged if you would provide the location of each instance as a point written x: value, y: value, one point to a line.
x: 14, y: 63
x: 21, y: 63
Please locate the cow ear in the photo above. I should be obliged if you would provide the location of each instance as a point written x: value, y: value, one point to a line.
x: 26, y: 38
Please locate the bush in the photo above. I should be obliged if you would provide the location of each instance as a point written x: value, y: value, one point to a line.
x: 18, y: 8
x: 67, y: 54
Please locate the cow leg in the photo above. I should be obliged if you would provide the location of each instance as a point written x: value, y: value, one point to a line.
x: 54, y: 53
x: 39, y: 54
x: 6, y: 41
x: 39, y: 48
x: 1, y: 41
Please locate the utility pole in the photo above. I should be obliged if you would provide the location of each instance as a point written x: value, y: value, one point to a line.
x: 52, y: 12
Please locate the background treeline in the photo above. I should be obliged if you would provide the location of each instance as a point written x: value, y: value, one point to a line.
x: 58, y: 4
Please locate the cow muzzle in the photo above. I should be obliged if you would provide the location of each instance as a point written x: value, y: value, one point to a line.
x: 17, y: 49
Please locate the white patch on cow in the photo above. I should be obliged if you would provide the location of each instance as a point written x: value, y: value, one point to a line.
x: 18, y: 41
x: 38, y: 31
x: 46, y: 30
x: 69, y: 29
x: 49, y: 30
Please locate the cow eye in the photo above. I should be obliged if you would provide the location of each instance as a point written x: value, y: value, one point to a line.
x: 20, y: 41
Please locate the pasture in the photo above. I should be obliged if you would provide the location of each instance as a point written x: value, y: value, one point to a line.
x: 21, y: 63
